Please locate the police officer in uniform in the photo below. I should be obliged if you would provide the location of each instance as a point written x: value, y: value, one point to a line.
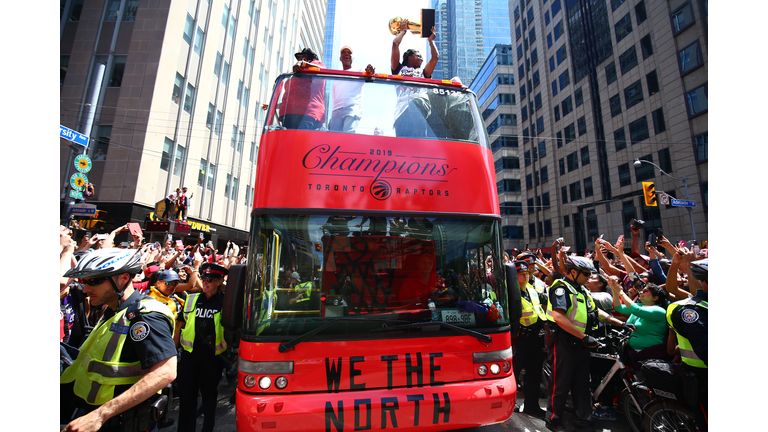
x: 529, y: 258
x: 128, y: 357
x: 304, y: 296
x: 689, y: 319
x: 529, y: 344
x: 573, y: 315
x: 202, y: 339
x: 163, y: 291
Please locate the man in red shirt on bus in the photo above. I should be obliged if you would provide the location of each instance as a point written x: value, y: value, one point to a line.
x: 303, y: 105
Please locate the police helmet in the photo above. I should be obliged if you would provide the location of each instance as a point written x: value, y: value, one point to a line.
x: 106, y: 262
x: 578, y: 263
x: 699, y: 269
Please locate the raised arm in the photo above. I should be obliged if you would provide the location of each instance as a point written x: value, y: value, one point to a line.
x: 635, y: 239
x: 675, y: 289
x: 434, y: 55
x: 395, y: 60
x: 653, y: 262
x: 604, y: 263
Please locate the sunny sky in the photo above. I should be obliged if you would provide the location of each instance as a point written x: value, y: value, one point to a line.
x: 363, y: 25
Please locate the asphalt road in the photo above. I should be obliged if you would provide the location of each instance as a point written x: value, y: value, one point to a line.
x: 226, y: 422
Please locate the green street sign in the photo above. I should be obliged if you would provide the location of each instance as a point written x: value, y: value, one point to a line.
x: 83, y: 163
x: 75, y: 194
x: 78, y: 181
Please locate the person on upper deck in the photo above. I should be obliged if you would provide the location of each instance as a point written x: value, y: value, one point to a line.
x: 348, y: 96
x: 303, y: 106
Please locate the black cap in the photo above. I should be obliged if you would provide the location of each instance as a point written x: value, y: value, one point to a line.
x: 308, y: 52
x: 212, y: 271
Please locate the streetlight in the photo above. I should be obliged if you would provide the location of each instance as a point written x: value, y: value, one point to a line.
x: 639, y: 162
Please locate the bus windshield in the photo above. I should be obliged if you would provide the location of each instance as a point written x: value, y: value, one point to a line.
x: 375, y: 271
x: 374, y: 106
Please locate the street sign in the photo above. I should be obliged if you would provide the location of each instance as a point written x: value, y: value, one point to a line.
x: 74, y: 136
x: 78, y: 181
x: 664, y: 198
x: 75, y: 194
x: 82, y: 163
x: 683, y: 203
x: 83, y: 209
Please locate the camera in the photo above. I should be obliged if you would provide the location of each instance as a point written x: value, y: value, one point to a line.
x: 637, y: 223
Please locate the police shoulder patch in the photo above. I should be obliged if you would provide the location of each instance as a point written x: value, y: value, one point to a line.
x: 559, y: 291
x: 690, y: 316
x: 139, y: 331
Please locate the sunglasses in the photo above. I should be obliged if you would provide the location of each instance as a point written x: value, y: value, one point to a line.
x: 586, y: 273
x: 93, y: 281
x: 172, y: 283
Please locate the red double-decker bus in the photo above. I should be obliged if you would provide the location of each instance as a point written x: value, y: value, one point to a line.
x: 375, y: 294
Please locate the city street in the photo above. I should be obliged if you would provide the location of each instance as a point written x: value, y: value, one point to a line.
x: 226, y: 422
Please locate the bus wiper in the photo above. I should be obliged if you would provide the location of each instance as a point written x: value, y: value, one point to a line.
x: 479, y: 336
x: 297, y: 340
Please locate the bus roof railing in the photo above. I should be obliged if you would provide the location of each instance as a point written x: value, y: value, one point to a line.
x: 317, y: 70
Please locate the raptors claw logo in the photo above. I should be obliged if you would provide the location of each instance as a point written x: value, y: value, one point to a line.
x: 381, y: 190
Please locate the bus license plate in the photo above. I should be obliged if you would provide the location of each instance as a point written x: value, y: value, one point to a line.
x: 458, y: 318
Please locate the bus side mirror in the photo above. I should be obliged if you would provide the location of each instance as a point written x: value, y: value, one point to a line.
x: 232, y: 310
x: 515, y: 302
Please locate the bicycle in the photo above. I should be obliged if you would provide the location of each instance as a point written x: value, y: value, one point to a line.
x: 632, y: 399
x: 673, y: 392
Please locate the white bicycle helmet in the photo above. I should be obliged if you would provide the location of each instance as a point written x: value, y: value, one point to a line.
x: 579, y: 263
x: 700, y: 268
x: 106, y: 262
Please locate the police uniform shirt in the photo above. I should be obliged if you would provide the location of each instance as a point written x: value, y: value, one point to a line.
x: 691, y: 322
x: 542, y: 302
x: 149, y: 341
x: 560, y: 298
x: 205, y: 328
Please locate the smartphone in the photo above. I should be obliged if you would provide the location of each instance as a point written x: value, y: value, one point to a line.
x: 179, y: 244
x: 565, y: 248
x: 125, y: 244
x: 681, y: 243
x: 621, y: 237
x: 134, y: 229
x: 696, y: 250
x: 157, y: 245
x: 170, y: 236
x: 102, y: 236
x: 653, y: 240
x: 601, y: 236
x: 88, y: 234
x: 202, y: 236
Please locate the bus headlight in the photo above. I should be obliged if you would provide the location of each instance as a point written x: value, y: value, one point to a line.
x: 265, y: 382
x: 281, y: 382
x: 249, y: 381
x: 506, y: 367
x: 495, y: 368
x: 482, y: 370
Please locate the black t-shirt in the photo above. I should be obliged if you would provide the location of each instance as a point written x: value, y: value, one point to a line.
x: 205, y: 327
x: 149, y: 341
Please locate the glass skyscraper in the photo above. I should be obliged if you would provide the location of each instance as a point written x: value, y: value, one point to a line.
x: 331, y: 47
x: 467, y: 31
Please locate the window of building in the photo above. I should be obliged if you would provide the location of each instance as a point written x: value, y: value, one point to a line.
x: 112, y: 11
x: 628, y: 60
x: 705, y: 194
x: 623, y: 27
x: 628, y: 213
x: 513, y: 232
x: 555, y: 8
x: 549, y: 40
x: 566, y: 221
x: 557, y: 113
x: 658, y: 121
x: 640, y: 13
x: 219, y: 123
x: 564, y: 194
x: 534, y: 56
x: 522, y: 91
x: 189, y: 98
x: 625, y: 178
x: 645, y: 171
x: 199, y: 40
x: 547, y: 224
x: 511, y: 208
x: 165, y: 159
x: 579, y: 97
x: 211, y: 176
x: 575, y: 191
x: 232, y: 26
x: 545, y: 201
x: 537, y: 101
x: 610, y: 72
x: 75, y: 9
x: 682, y: 18
x: 509, y: 185
x: 521, y: 71
x: 530, y: 15
x: 118, y: 69
x: 696, y: 101
x: 665, y: 160
x: 582, y: 124
x: 620, y: 139
x: 189, y: 27
x: 633, y: 94
x: 573, y: 161
x: 570, y: 133
x: 201, y: 173
x: 552, y: 64
x: 225, y: 74
x: 227, y: 185
x: 690, y: 58
x: 504, y: 141
x: 181, y: 155
x: 252, y: 154
x: 209, y: 119
x: 520, y: 52
x: 542, y: 149
x: 615, y: 4
x: 559, y: 139
x: 532, y: 230
x: 235, y: 188
x: 615, y: 105
x: 526, y: 135
x: 233, y: 143
x: 561, y: 54
x: 544, y: 172
x: 592, y: 228
x: 653, y: 83
x: 646, y: 46
x: 564, y: 80
x: 177, y: 83
x: 535, y: 78
x: 102, y: 138
x: 539, y: 125
x: 585, y: 155
x: 700, y: 147
x: 217, y: 65
x: 225, y: 16
x: 567, y: 106
x: 638, y: 130
x: 554, y: 88
x: 517, y: 12
x: 546, y: 17
x: 518, y: 32
x: 505, y: 79
x: 524, y: 112
x: 588, y: 191
x: 528, y: 181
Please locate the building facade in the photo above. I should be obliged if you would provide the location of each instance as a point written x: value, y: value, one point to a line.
x: 332, y: 42
x: 601, y: 83
x: 178, y: 88
x: 467, y: 32
x: 495, y: 88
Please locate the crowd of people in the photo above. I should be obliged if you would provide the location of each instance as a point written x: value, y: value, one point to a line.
x: 570, y: 300
x: 127, y: 314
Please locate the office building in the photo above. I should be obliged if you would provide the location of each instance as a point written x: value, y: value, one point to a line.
x: 332, y: 43
x: 495, y: 88
x: 599, y: 85
x: 467, y: 31
x: 171, y: 93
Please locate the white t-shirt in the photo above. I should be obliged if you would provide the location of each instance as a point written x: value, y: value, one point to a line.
x: 349, y: 94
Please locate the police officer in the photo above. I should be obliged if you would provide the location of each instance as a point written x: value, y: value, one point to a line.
x: 573, y: 316
x: 529, y: 344
x: 529, y: 258
x: 689, y: 319
x: 202, y: 339
x: 304, y: 294
x: 128, y: 357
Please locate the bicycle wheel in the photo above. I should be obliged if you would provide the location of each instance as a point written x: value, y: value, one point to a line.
x: 669, y: 417
x: 634, y: 416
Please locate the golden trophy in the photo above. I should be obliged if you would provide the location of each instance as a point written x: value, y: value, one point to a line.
x: 413, y: 26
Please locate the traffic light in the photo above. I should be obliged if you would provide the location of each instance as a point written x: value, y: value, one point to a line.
x: 649, y: 194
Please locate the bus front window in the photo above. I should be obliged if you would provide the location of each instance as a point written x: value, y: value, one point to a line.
x: 316, y: 268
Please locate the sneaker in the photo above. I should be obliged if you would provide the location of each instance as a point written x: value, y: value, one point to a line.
x: 606, y: 414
